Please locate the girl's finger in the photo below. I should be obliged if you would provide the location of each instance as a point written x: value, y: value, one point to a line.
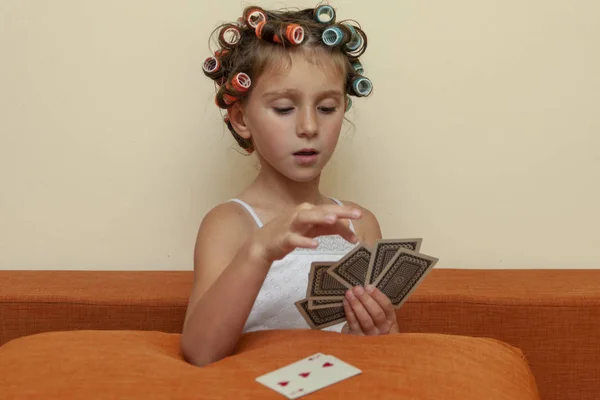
x: 384, y: 302
x: 353, y: 325
x: 296, y: 240
x: 375, y: 310
x: 342, y: 228
x: 324, y: 223
x: 313, y: 217
x: 367, y: 325
x: 341, y: 211
x: 326, y: 214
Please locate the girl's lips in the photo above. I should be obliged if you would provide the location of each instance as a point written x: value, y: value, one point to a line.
x: 306, y: 152
x: 306, y: 159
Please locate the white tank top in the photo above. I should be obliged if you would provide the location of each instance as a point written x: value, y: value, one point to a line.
x: 287, y: 280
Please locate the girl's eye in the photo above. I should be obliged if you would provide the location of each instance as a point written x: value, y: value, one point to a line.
x: 328, y: 110
x: 284, y: 110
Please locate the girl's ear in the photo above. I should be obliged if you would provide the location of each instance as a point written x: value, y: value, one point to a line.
x: 237, y: 118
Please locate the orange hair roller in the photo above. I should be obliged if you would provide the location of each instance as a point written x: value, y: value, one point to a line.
x: 259, y: 28
x: 254, y: 16
x: 294, y: 33
x: 241, y: 82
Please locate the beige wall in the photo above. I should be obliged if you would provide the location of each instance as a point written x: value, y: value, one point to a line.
x: 482, y: 135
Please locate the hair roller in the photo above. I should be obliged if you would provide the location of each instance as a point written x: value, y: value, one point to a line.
x: 268, y: 32
x: 361, y: 86
x: 325, y: 14
x: 294, y: 33
x: 224, y: 100
x: 221, y: 53
x: 230, y: 36
x: 355, y: 39
x: 229, y: 99
x: 358, y: 68
x: 360, y: 44
x: 219, y: 101
x: 253, y: 16
x: 211, y: 67
x: 348, y: 103
x: 332, y: 36
x: 259, y: 29
x: 241, y: 82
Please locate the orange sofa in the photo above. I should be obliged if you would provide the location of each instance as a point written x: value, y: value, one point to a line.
x: 466, y: 334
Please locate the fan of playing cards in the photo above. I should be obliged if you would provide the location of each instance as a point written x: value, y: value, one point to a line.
x: 394, y: 266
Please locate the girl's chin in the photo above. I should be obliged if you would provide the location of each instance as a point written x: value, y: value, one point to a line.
x: 303, y: 175
x: 295, y: 172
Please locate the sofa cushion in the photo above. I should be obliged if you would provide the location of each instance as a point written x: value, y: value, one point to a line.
x: 149, y: 365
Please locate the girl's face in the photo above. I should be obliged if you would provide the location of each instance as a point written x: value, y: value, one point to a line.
x: 294, y: 115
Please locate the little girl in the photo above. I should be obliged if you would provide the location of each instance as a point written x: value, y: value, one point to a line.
x: 285, y: 79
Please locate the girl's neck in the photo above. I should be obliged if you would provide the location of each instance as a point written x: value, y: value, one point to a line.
x: 276, y: 189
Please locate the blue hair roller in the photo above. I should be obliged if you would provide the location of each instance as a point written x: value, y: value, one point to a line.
x: 325, y: 14
x: 355, y: 41
x: 358, y: 68
x: 332, y: 36
x: 362, y: 86
x: 348, y: 103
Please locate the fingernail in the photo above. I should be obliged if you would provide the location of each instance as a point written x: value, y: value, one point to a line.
x: 356, y: 213
x: 358, y: 290
x: 370, y: 288
x: 330, y: 218
x: 349, y: 295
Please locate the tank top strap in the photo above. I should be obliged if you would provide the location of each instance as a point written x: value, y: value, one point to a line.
x: 250, y: 211
x: 339, y: 203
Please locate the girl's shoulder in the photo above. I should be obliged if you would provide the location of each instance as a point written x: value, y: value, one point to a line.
x: 223, y: 231
x: 367, y: 227
x: 228, y: 218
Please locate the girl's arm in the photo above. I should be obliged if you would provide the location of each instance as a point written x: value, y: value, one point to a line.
x: 228, y: 275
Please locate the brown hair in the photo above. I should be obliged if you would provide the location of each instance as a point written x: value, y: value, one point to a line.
x: 261, y: 38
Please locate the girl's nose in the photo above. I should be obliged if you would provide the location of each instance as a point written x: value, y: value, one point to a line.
x: 307, y: 123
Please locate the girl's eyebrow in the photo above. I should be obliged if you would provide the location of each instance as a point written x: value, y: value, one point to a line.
x: 295, y: 93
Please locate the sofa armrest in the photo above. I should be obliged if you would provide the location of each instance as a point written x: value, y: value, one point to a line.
x: 42, y: 301
x: 551, y: 315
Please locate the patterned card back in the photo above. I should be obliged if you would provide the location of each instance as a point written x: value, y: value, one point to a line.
x: 403, y: 274
x: 351, y: 270
x: 385, y: 250
x: 320, y: 283
x: 329, y: 290
x: 321, y: 318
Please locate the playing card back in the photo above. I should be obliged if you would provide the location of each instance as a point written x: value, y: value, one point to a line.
x: 329, y: 290
x: 351, y: 270
x: 402, y: 275
x: 320, y: 318
x: 384, y: 251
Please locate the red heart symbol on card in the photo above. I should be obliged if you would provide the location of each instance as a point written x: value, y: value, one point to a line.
x: 304, y: 374
x: 283, y: 383
x: 327, y: 364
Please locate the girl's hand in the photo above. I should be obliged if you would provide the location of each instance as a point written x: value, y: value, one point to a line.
x: 369, y: 312
x: 299, y: 227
